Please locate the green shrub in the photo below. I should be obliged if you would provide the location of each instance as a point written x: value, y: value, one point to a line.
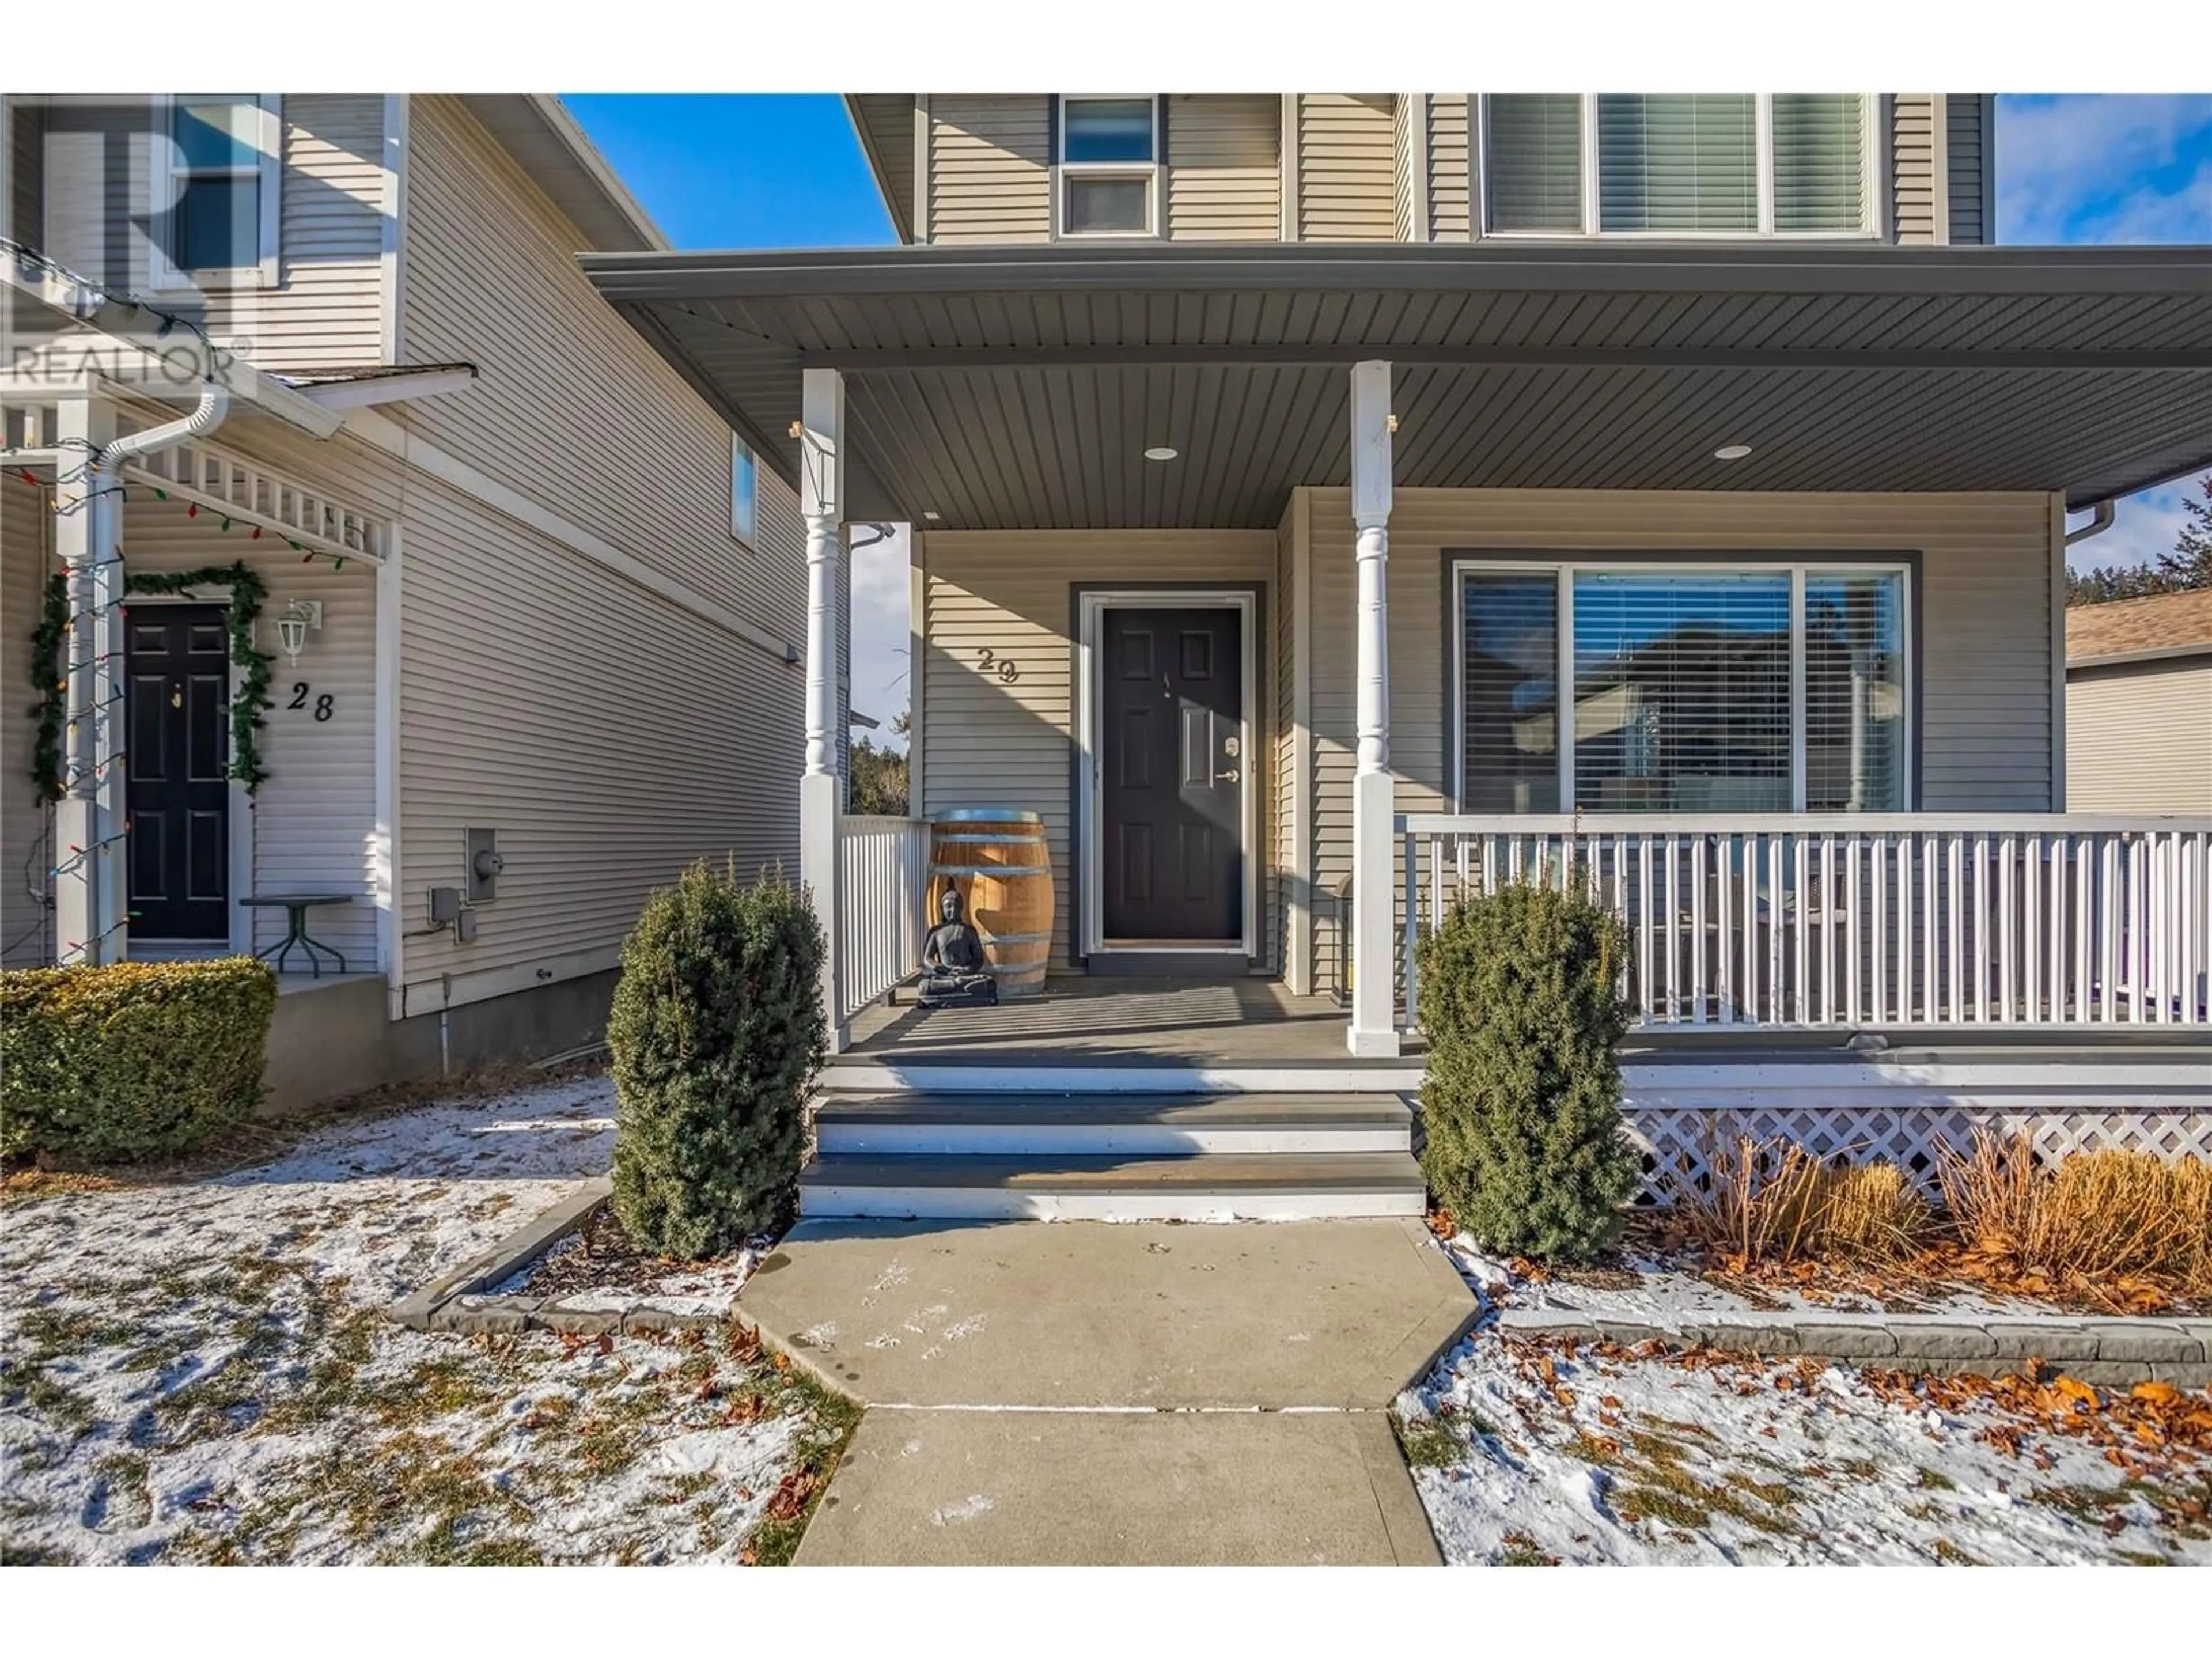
x: 1521, y: 1103
x: 717, y: 1031
x: 134, y: 1059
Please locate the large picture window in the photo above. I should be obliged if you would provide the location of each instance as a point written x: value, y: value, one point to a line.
x: 1706, y: 689
x: 1678, y: 164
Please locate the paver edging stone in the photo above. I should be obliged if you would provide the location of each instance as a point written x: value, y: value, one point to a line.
x: 2108, y: 1352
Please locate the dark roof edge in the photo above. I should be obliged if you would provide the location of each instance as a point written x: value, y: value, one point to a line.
x: 898, y: 210
x: 1639, y: 267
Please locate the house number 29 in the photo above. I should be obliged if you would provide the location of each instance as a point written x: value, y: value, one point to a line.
x: 1006, y: 668
x: 323, y: 707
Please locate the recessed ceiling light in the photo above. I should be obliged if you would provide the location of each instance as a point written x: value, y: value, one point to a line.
x: 932, y: 517
x: 1731, y: 452
x: 1159, y: 453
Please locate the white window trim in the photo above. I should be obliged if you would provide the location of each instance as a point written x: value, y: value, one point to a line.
x: 1871, y: 227
x: 1564, y: 572
x: 1152, y: 173
x: 745, y: 538
x: 164, y: 184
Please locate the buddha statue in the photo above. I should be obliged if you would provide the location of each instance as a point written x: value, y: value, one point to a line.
x: 953, y: 974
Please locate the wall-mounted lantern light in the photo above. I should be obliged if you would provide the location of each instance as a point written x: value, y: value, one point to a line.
x: 292, y: 626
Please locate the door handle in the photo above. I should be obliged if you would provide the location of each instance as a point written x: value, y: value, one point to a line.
x: 1229, y: 776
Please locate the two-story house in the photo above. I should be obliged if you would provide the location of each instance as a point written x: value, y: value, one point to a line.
x: 1329, y: 503
x: 530, y: 613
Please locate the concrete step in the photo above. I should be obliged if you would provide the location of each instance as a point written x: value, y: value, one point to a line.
x: 1116, y: 1072
x: 1161, y: 1125
x: 1205, y: 1186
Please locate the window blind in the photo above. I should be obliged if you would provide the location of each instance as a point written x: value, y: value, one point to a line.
x: 1855, y: 732
x: 1686, y: 162
x: 1535, y: 157
x: 1509, y: 705
x: 1681, y: 692
x: 1819, y: 162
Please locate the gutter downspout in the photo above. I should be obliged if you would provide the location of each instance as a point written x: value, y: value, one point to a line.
x: 2100, y: 521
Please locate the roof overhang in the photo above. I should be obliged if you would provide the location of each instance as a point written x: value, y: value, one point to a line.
x: 537, y: 129
x: 1018, y: 387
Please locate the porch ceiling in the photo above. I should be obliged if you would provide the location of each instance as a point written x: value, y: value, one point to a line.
x: 1019, y: 387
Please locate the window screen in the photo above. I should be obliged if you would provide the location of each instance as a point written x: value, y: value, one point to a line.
x: 1105, y: 203
x: 1678, y: 162
x: 1819, y: 162
x: 1854, y: 733
x: 1535, y: 158
x: 1510, y: 700
x: 1681, y: 692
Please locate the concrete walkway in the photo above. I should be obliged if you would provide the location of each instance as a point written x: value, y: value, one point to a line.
x: 1093, y: 1393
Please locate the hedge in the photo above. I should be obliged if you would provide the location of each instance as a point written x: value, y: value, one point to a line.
x: 134, y: 1059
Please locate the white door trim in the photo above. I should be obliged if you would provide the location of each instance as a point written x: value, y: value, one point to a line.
x: 238, y: 829
x: 1091, y: 898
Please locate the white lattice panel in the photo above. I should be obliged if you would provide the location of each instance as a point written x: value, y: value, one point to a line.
x: 1684, y: 1138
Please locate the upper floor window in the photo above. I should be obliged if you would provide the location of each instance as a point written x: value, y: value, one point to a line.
x: 745, y: 489
x: 1108, y: 150
x: 224, y: 153
x: 1678, y: 164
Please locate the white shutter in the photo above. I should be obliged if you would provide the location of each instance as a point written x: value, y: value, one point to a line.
x: 1534, y: 158
x: 1819, y: 162
x: 1678, y: 162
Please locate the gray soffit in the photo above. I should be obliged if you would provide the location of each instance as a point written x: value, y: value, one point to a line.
x: 538, y: 131
x: 1019, y: 387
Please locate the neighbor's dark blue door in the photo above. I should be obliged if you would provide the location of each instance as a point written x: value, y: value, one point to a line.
x: 179, y: 798
x: 1171, y: 775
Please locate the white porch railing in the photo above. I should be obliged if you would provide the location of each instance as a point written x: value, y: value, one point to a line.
x: 882, y: 881
x: 1858, y: 919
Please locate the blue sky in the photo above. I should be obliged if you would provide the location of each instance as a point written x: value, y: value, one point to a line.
x: 784, y: 170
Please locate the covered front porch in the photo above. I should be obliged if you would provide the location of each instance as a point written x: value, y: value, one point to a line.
x: 1818, y: 763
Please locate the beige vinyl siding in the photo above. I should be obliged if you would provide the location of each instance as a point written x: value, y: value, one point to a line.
x: 1450, y: 161
x: 1225, y: 179
x: 1346, y: 167
x: 608, y: 737
x: 1968, y: 125
x: 990, y: 167
x: 1913, y: 166
x: 1984, y: 667
x: 314, y: 819
x: 990, y: 742
x: 572, y: 407
x: 2139, y: 737
x: 327, y: 311
x: 25, y: 535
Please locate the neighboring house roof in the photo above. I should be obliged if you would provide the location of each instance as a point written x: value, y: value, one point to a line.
x: 1016, y: 386
x: 538, y: 131
x: 2135, y: 630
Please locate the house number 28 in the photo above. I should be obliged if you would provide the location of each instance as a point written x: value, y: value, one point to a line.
x: 1006, y: 668
x: 323, y: 707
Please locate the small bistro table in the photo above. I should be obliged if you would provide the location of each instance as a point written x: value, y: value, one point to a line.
x: 296, y: 905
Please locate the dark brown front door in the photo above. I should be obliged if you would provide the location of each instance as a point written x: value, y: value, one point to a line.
x: 1171, y: 775
x: 179, y: 798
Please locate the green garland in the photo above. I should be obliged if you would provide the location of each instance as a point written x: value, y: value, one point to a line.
x: 248, y: 708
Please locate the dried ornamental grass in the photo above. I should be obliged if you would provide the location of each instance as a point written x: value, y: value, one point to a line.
x: 1773, y: 1203
x: 2112, y: 1219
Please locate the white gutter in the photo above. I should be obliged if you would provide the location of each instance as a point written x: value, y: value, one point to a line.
x: 2100, y: 521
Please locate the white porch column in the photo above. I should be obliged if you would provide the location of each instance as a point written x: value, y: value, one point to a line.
x: 822, y: 501
x: 90, y: 891
x: 1374, y: 1028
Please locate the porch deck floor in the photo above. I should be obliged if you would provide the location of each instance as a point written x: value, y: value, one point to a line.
x: 1224, y: 1022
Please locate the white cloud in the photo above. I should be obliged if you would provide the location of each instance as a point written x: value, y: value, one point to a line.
x: 2144, y: 527
x: 2069, y: 170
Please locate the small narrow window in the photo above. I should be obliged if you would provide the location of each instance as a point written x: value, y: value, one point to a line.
x: 1535, y: 154
x: 1819, y: 162
x: 222, y: 151
x: 745, y: 489
x: 1108, y: 167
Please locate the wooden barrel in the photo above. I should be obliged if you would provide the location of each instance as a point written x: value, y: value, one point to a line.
x: 998, y: 860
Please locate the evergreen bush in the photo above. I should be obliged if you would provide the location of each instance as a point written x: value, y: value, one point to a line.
x: 1521, y: 1103
x: 131, y: 1061
x: 717, y: 1031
